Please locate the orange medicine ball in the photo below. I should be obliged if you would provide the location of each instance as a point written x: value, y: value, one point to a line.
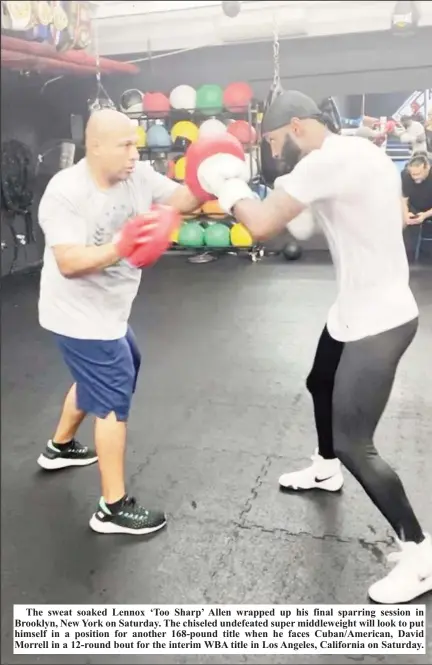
x: 171, y: 169
x: 213, y: 209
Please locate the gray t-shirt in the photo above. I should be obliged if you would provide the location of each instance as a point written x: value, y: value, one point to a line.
x: 73, y: 211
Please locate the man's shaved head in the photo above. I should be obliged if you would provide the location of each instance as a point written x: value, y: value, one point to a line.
x: 111, y: 145
x: 104, y: 122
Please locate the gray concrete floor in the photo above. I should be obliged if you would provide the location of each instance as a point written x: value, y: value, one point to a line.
x: 220, y: 412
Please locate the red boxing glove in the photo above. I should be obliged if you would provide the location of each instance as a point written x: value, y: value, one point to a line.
x: 390, y: 127
x: 145, y: 238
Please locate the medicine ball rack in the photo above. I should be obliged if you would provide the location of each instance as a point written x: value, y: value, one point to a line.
x: 173, y: 152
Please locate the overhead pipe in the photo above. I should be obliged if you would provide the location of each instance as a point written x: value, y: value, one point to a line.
x: 11, y: 56
x: 79, y: 58
x: 16, y: 60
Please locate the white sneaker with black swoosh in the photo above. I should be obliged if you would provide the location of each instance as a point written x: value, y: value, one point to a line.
x: 410, y: 578
x: 323, y: 474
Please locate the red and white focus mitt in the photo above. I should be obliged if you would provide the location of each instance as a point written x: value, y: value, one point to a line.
x: 216, y: 167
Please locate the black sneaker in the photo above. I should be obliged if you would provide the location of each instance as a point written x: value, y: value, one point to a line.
x: 73, y: 454
x: 130, y: 518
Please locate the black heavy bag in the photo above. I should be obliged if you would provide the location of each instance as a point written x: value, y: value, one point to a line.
x: 270, y: 168
x: 331, y: 115
x: 17, y: 182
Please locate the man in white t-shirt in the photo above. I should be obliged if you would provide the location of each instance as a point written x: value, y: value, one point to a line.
x: 86, y: 294
x: 412, y: 132
x: 354, y: 191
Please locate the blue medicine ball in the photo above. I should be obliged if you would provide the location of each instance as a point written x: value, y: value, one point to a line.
x: 158, y: 137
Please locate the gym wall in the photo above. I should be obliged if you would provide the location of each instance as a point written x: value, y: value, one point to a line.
x: 33, y: 117
x: 377, y: 104
x: 22, y: 118
x: 341, y: 65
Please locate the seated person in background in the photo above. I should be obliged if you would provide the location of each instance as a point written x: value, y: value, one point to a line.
x: 412, y: 132
x: 417, y: 190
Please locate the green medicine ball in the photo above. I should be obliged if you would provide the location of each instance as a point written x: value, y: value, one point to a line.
x: 217, y: 235
x: 191, y: 235
x: 209, y: 99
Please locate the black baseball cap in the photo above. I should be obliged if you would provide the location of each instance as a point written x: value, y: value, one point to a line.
x: 287, y: 105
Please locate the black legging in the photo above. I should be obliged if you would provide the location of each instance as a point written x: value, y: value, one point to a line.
x: 350, y: 384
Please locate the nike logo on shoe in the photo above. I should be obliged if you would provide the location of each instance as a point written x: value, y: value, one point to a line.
x: 322, y: 480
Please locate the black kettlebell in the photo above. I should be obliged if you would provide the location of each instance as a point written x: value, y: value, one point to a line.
x: 182, y: 143
x: 292, y: 251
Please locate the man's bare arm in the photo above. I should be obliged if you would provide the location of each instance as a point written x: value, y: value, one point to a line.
x: 79, y: 260
x: 183, y: 200
x: 268, y: 218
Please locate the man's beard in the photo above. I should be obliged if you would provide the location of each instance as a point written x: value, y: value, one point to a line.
x: 291, y: 155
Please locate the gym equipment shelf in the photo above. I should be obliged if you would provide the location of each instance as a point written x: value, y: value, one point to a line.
x: 255, y: 252
x: 166, y: 154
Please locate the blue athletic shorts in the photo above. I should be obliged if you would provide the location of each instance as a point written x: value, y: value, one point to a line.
x: 105, y: 372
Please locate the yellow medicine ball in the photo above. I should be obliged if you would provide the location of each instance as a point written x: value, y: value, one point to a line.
x: 240, y: 236
x: 180, y: 169
x: 185, y: 129
x: 175, y: 236
x: 141, y: 137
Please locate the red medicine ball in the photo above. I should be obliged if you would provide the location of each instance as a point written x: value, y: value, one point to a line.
x: 237, y: 96
x: 156, y: 104
x: 243, y: 131
x: 201, y: 150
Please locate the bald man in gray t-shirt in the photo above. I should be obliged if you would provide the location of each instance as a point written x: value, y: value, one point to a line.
x: 86, y: 295
x: 74, y: 211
